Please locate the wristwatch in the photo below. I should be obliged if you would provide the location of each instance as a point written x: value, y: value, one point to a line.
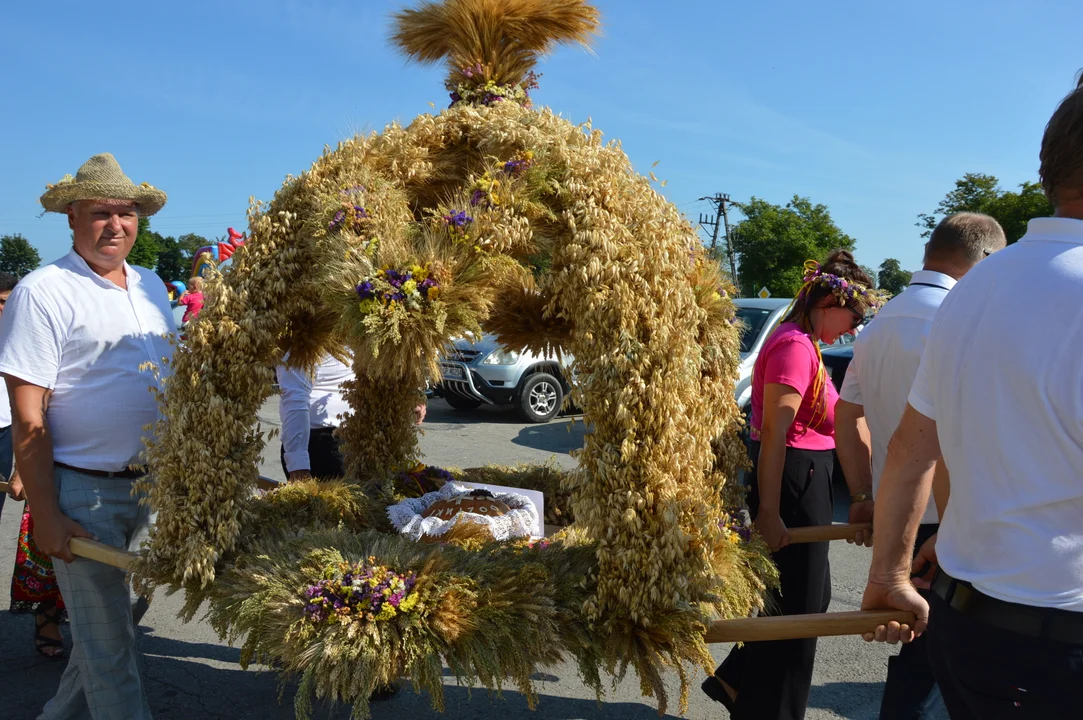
x: 860, y: 497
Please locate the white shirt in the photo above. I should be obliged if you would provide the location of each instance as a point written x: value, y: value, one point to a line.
x: 886, y: 357
x: 308, y: 402
x: 70, y: 330
x: 5, y: 405
x: 1002, y: 376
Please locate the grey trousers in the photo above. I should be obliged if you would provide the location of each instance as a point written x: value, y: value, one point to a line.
x: 101, y: 681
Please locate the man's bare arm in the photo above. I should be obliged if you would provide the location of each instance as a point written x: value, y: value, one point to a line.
x: 854, y: 447
x: 33, y: 445
x: 904, y: 492
x: 941, y: 488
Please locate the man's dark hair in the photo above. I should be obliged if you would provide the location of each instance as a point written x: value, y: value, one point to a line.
x: 964, y: 239
x: 7, y: 282
x: 1062, y: 148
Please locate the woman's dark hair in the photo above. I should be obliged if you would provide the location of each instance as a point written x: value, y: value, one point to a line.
x: 7, y: 281
x: 841, y: 264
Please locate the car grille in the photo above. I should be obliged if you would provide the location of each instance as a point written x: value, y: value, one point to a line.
x: 464, y: 356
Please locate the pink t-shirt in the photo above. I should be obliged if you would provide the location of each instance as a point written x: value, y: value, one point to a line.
x: 789, y: 358
x: 193, y: 303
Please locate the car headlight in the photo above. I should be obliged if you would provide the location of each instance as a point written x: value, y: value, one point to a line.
x: 503, y: 356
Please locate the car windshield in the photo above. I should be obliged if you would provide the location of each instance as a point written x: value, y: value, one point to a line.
x: 752, y: 321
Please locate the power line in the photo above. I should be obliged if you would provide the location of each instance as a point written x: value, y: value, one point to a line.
x: 720, y: 201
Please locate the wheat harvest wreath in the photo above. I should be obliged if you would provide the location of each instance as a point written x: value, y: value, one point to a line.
x: 491, y: 215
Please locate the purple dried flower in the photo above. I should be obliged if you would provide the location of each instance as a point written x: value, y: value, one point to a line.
x: 514, y: 167
x: 337, y: 220
x: 477, y: 197
x: 365, y: 290
x: 458, y: 219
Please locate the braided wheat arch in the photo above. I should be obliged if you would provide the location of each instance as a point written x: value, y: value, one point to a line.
x: 566, y: 249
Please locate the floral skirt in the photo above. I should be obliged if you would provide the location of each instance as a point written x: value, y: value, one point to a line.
x: 33, y: 583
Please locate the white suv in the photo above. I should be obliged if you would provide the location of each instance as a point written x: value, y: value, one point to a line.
x: 758, y: 320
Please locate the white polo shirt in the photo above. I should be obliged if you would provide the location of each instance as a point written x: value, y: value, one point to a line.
x: 68, y: 329
x: 308, y: 402
x: 1002, y: 375
x: 887, y: 353
x: 5, y: 406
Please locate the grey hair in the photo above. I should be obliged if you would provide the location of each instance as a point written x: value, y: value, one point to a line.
x: 965, y: 238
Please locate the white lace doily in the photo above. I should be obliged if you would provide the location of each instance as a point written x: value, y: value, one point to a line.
x: 518, y: 522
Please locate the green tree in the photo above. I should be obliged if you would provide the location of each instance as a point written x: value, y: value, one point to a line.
x: 872, y: 275
x: 191, y: 242
x: 975, y: 192
x: 172, y: 264
x: 774, y: 242
x: 147, y: 245
x: 893, y: 278
x: 17, y: 255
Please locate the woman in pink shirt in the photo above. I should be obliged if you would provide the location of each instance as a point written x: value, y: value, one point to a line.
x: 192, y: 299
x: 792, y: 430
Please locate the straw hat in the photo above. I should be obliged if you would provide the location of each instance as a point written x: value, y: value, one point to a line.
x: 100, y: 178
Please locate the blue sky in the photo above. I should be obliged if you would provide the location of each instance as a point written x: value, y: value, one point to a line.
x: 873, y: 109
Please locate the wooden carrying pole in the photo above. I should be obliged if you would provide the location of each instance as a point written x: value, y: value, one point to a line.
x: 819, y: 533
x: 792, y: 627
x: 784, y: 627
x: 721, y: 631
x: 94, y: 550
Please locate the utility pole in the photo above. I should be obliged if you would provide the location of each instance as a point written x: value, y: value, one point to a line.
x: 720, y: 201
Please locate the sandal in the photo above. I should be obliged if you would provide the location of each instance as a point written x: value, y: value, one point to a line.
x: 48, y: 647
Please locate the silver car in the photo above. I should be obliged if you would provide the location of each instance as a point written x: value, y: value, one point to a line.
x: 484, y: 372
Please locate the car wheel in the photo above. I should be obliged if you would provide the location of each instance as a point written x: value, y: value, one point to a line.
x: 540, y: 398
x: 461, y: 403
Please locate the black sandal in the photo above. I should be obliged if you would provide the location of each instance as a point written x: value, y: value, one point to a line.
x: 42, y: 642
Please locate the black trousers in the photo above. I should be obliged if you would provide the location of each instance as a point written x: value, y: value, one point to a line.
x: 772, y: 679
x: 910, y: 678
x: 324, y: 455
x: 986, y: 673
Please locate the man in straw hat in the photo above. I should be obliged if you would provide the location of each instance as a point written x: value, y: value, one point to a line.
x: 75, y: 338
x: 1005, y: 611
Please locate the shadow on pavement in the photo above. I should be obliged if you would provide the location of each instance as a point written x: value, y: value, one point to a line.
x: 180, y: 689
x: 854, y: 700
x: 440, y: 412
x: 559, y: 436
x: 169, y: 647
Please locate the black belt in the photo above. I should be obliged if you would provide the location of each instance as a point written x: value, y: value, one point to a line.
x: 128, y: 474
x: 1063, y: 626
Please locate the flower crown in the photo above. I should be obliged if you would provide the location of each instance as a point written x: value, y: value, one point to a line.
x: 847, y: 292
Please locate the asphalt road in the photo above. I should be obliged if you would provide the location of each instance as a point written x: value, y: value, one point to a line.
x: 191, y: 673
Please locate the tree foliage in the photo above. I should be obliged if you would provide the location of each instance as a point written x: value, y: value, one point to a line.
x: 892, y: 278
x: 172, y: 262
x: 774, y: 242
x: 976, y: 192
x: 191, y: 242
x: 872, y: 275
x: 17, y: 255
x: 144, y: 252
